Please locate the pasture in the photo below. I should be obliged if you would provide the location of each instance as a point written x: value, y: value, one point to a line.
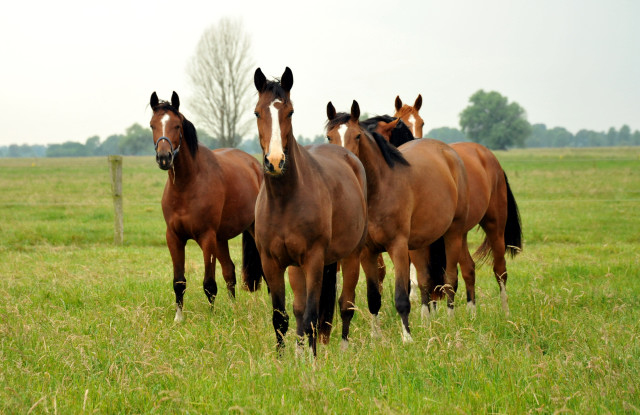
x: 86, y: 326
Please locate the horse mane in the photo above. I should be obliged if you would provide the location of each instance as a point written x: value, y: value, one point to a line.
x: 190, y: 134
x: 401, y: 134
x: 372, y: 123
x: 390, y: 153
x: 275, y: 87
x: 340, y: 118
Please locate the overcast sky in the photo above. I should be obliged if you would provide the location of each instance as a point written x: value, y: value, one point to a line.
x: 73, y: 69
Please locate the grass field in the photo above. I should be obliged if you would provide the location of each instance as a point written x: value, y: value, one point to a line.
x: 87, y: 327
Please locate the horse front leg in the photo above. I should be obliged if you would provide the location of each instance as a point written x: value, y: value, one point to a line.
x: 176, y: 249
x: 208, y: 246
x: 369, y: 261
x: 399, y: 253
x: 313, y: 272
x: 350, y: 275
x: 299, y: 288
x: 274, y: 276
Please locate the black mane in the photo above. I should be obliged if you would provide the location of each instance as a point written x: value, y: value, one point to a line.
x: 276, y: 89
x: 190, y: 134
x: 390, y: 153
x: 399, y: 135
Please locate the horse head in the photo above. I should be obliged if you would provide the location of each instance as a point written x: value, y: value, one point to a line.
x: 273, y: 114
x: 167, y: 129
x: 410, y: 115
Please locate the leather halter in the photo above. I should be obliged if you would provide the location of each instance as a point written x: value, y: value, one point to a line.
x: 174, y: 153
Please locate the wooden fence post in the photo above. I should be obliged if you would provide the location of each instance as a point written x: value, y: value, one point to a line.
x: 115, y: 164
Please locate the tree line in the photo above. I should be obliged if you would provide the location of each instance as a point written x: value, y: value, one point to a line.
x: 138, y: 141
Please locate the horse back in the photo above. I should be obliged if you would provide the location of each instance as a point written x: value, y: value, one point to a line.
x: 440, y: 185
x: 486, y: 180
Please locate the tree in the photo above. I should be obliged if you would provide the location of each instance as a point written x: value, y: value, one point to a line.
x: 494, y: 122
x: 447, y: 134
x: 219, y: 73
x: 136, y: 141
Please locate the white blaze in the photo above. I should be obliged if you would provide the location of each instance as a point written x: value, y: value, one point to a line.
x: 275, y: 146
x: 414, y: 127
x: 342, y: 130
x: 164, y: 120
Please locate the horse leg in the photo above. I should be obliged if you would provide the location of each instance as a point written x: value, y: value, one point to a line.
x: 228, y: 268
x: 176, y: 249
x: 298, y: 286
x: 313, y: 271
x: 369, y: 263
x: 350, y: 275
x: 453, y: 247
x: 468, y: 269
x: 208, y: 246
x: 275, y: 280
x: 399, y: 254
x: 419, y: 263
x: 498, y: 250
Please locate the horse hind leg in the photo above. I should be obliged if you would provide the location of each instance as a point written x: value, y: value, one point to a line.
x: 498, y: 250
x: 400, y: 256
x: 369, y: 264
x: 468, y: 269
x: 228, y: 267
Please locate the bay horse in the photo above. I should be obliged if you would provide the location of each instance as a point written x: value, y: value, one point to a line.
x: 311, y: 212
x: 491, y: 205
x: 417, y: 200
x: 209, y: 197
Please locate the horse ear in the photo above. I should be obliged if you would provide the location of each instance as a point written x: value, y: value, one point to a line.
x: 175, y: 101
x: 287, y: 79
x: 398, y: 103
x: 331, y: 111
x: 153, y: 102
x: 355, y: 111
x: 259, y: 80
x: 418, y: 103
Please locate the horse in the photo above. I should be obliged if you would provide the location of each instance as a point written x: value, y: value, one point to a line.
x: 417, y: 203
x: 311, y: 213
x: 209, y: 197
x: 491, y: 205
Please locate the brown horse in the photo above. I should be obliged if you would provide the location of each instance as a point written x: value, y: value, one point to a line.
x: 417, y: 198
x: 209, y: 197
x: 491, y: 205
x: 311, y: 213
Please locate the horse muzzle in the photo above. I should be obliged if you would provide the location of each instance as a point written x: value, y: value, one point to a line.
x: 274, y: 167
x: 164, y: 160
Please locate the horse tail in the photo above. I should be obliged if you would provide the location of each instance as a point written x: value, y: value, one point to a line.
x: 327, y: 301
x: 513, y: 230
x: 437, y: 263
x: 252, y: 272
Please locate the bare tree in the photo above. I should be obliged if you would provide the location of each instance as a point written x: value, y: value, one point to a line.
x: 219, y: 72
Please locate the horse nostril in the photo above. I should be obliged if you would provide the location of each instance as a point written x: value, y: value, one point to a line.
x: 281, y: 165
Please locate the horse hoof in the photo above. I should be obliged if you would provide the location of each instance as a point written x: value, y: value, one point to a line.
x: 376, y: 333
x: 425, y: 313
x: 471, y: 308
x: 450, y: 312
x: 406, y: 336
x: 344, y: 345
x: 179, y: 318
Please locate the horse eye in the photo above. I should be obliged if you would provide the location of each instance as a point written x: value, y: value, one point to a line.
x: 358, y: 137
x: 328, y: 138
x: 256, y: 114
x: 290, y: 114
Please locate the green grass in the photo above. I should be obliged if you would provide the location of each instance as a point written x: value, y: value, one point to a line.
x: 88, y: 327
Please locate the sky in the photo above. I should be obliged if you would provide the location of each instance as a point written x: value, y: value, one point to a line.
x: 72, y: 69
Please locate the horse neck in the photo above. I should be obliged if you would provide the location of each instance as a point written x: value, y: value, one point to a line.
x: 375, y: 166
x: 184, y: 170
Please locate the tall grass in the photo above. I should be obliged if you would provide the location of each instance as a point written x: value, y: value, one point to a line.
x: 88, y: 327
